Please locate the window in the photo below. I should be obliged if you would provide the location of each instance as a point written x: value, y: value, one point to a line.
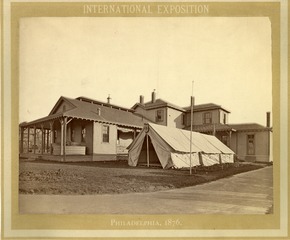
x: 207, y: 118
x: 251, y: 144
x: 83, y: 132
x: 106, y: 133
x: 225, y: 119
x: 183, y: 119
x: 64, y: 108
x: 159, y: 115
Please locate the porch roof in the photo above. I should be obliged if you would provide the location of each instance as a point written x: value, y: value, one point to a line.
x: 250, y: 127
x: 43, y: 120
x: 211, y: 128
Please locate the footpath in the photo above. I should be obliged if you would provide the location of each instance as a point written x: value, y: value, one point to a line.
x: 245, y: 193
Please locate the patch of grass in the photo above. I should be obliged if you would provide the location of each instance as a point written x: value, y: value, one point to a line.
x: 78, y: 178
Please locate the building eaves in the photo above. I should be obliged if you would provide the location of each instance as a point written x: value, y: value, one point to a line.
x: 205, y: 107
x: 159, y: 103
x: 42, y: 120
x: 250, y: 127
x: 211, y: 128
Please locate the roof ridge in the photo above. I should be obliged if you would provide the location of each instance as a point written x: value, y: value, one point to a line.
x: 86, y: 99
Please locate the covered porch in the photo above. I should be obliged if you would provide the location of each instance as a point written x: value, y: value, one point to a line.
x: 50, y: 138
x: 64, y: 137
x: 222, y: 131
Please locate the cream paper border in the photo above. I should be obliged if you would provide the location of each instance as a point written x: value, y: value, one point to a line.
x: 7, y: 106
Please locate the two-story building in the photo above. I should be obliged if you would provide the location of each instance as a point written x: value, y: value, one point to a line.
x: 161, y: 112
x: 250, y: 141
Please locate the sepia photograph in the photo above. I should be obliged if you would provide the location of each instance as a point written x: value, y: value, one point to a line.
x: 133, y: 119
x: 125, y: 113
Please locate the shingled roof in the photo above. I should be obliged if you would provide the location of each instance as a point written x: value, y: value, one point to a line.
x: 95, y: 111
x: 110, y: 114
x: 205, y: 107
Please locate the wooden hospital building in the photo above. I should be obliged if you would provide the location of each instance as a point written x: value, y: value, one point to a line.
x: 100, y: 131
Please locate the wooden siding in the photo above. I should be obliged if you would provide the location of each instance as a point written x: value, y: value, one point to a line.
x: 70, y: 150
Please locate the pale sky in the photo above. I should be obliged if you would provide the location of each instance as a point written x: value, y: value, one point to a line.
x: 229, y: 60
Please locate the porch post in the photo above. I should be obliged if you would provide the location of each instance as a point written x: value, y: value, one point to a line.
x: 51, y: 136
x: 64, y: 136
x: 42, y: 139
x: 21, y: 139
x: 28, y: 134
x: 230, y: 139
x: 134, y: 134
x: 34, y: 140
x: 61, y: 137
x: 45, y: 140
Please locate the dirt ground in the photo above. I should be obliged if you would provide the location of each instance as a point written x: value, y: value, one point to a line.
x: 84, y: 178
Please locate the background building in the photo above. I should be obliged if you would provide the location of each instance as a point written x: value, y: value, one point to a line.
x: 250, y: 141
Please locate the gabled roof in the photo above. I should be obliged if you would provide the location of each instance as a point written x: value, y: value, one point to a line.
x: 206, y: 107
x: 159, y: 103
x: 58, y: 103
x: 94, y: 112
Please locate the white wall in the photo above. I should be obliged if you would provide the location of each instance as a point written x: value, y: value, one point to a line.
x: 262, y: 146
x: 100, y: 147
x: 174, y: 118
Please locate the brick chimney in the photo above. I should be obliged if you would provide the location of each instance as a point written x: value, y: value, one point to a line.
x: 141, y: 99
x: 99, y: 111
x: 268, y: 120
x: 153, y: 99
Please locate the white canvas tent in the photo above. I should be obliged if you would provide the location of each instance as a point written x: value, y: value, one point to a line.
x: 170, y: 147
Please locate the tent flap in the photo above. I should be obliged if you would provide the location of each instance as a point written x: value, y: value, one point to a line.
x: 182, y: 160
x: 135, y: 149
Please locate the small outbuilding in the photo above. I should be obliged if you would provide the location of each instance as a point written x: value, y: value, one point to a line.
x: 170, y: 147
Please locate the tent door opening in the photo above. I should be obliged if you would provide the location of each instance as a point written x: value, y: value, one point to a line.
x: 152, y: 158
